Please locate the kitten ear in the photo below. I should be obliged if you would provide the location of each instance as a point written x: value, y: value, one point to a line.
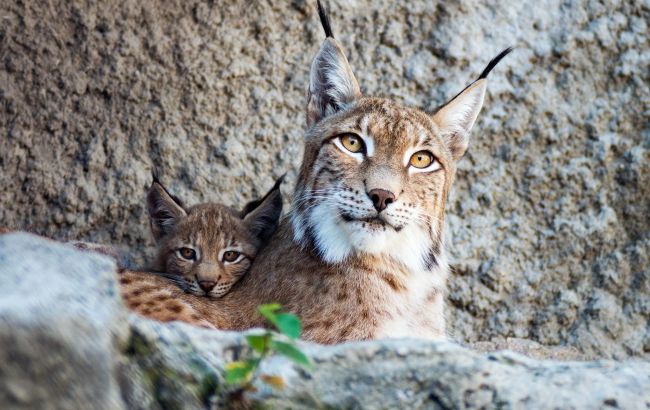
x: 165, y: 209
x: 332, y: 84
x: 263, y: 215
x: 456, y: 118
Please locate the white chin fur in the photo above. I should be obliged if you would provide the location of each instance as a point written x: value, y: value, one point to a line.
x: 337, y: 239
x: 332, y: 240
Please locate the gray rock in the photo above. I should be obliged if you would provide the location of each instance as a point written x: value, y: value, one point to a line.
x: 549, y: 219
x: 392, y: 374
x: 61, y: 326
x: 66, y: 341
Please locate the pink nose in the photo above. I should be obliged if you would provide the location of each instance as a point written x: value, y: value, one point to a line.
x: 381, y: 198
x: 207, y: 285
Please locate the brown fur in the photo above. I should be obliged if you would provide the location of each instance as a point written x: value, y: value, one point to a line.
x: 154, y: 297
x: 208, y: 229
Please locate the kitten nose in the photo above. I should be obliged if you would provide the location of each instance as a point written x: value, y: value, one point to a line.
x: 381, y: 198
x: 207, y: 285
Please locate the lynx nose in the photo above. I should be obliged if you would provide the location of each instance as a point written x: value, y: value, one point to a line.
x: 207, y: 285
x: 381, y: 198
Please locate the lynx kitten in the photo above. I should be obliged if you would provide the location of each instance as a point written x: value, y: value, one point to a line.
x: 203, y: 250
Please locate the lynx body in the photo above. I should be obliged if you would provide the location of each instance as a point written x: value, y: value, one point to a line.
x: 362, y: 253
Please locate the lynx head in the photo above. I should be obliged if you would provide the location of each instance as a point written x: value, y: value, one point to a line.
x: 375, y: 175
x: 207, y: 248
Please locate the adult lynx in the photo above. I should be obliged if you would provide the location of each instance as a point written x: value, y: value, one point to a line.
x: 361, y: 254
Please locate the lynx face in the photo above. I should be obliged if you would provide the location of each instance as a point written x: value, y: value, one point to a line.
x: 377, y: 184
x: 207, y: 248
x: 376, y: 175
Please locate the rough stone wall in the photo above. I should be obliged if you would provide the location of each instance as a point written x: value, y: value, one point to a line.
x: 549, y: 220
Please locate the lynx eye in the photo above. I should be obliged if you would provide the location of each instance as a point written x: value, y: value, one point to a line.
x: 421, y: 159
x: 187, y: 253
x: 352, y: 143
x: 230, y: 256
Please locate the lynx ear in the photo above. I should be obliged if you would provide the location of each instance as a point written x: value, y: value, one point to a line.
x: 165, y: 210
x: 332, y: 84
x: 262, y: 215
x: 456, y: 118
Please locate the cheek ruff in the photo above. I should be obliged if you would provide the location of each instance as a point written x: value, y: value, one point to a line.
x: 341, y: 221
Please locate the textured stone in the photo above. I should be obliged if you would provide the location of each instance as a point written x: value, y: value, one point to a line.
x: 61, y: 326
x: 67, y: 341
x: 389, y: 374
x: 549, y: 220
x: 530, y: 349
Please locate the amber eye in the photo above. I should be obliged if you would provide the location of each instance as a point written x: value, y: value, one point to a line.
x: 187, y: 253
x: 230, y: 256
x: 352, y: 143
x: 421, y: 159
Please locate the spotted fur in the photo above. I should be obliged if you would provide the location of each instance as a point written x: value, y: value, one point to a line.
x: 153, y: 296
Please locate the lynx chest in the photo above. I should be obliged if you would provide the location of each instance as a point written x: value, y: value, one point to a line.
x: 362, y: 304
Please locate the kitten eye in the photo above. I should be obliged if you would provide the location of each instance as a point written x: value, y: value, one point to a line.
x: 352, y: 143
x: 230, y: 256
x: 187, y: 253
x: 421, y: 159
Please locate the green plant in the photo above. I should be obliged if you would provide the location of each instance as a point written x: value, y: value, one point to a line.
x: 280, y: 341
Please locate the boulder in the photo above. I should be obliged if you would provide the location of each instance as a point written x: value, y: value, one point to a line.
x: 62, y: 326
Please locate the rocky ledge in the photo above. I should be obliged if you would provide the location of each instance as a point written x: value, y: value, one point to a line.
x: 68, y: 342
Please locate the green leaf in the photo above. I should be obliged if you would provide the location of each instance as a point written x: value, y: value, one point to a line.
x: 259, y: 343
x: 291, y: 352
x: 268, y: 311
x: 288, y: 324
x: 240, y: 371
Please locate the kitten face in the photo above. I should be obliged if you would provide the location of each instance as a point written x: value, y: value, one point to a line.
x: 207, y: 248
x: 211, y: 249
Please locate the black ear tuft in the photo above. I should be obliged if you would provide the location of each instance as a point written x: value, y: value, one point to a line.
x: 483, y: 75
x: 263, y: 215
x: 324, y: 19
x: 165, y: 209
x: 156, y: 180
x: 250, y: 207
x: 494, y: 62
x: 155, y: 176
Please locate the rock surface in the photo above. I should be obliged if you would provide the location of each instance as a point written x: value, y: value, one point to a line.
x: 61, y: 325
x: 549, y: 219
x: 65, y: 343
x: 530, y: 349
